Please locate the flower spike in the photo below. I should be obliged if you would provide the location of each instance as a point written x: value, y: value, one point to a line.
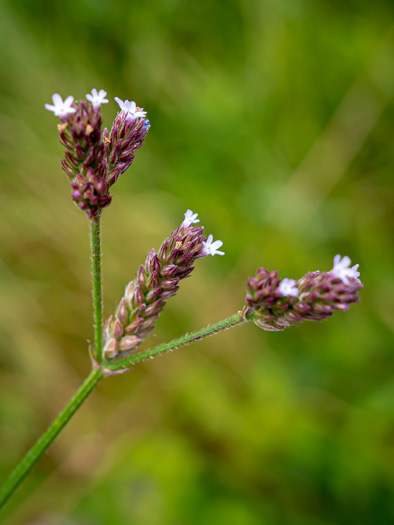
x: 274, y: 304
x: 93, y: 159
x: 125, y: 138
x: 155, y: 282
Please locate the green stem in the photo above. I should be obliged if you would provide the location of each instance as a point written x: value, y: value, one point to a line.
x: 34, y: 454
x: 95, y: 247
x: 229, y: 322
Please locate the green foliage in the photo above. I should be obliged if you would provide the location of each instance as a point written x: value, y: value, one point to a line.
x: 274, y: 121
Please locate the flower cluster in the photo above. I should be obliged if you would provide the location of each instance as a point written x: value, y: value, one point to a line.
x: 94, y: 160
x: 155, y: 282
x: 274, y: 304
x: 125, y: 138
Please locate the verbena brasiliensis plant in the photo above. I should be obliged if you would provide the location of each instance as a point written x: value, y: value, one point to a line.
x: 93, y: 161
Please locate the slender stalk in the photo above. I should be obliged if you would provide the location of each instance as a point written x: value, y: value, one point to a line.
x: 34, y: 454
x: 229, y: 322
x: 95, y: 247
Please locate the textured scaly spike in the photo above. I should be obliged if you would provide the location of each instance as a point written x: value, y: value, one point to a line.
x: 274, y: 304
x: 155, y: 282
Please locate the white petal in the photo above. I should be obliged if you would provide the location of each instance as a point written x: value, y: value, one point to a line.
x: 69, y: 100
x: 345, y: 262
x: 57, y: 99
x: 120, y: 102
x: 337, y: 258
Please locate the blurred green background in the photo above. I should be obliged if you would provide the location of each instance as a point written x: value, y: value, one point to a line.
x: 273, y: 120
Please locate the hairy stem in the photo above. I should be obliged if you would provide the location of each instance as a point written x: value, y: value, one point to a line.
x: 95, y: 248
x: 229, y: 322
x: 34, y: 454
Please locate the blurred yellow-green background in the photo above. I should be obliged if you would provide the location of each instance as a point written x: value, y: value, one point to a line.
x: 273, y: 120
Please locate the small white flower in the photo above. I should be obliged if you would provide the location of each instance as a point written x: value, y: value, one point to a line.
x: 97, y: 98
x: 288, y: 287
x: 342, y: 271
x: 211, y: 248
x: 60, y: 108
x: 132, y: 110
x: 190, y: 218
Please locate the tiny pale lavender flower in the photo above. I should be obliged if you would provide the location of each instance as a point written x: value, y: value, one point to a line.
x: 288, y: 287
x: 61, y: 108
x: 343, y: 271
x: 190, y: 218
x: 211, y: 247
x: 97, y: 98
x: 130, y: 107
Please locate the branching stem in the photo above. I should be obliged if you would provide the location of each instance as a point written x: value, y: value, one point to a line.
x: 186, y: 339
x: 34, y: 454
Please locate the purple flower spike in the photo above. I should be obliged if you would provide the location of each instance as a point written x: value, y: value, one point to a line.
x: 125, y: 138
x: 94, y: 160
x: 274, y: 305
x: 155, y: 282
x: 84, y: 160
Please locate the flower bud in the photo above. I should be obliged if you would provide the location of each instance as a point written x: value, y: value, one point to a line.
x: 153, y: 280
x: 138, y: 297
x: 132, y: 327
x: 154, y: 308
x: 141, y: 277
x: 169, y: 271
x: 129, y: 343
x: 117, y: 329
x: 111, y: 349
x: 122, y: 312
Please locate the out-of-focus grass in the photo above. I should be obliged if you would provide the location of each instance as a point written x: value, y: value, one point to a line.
x: 273, y: 120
